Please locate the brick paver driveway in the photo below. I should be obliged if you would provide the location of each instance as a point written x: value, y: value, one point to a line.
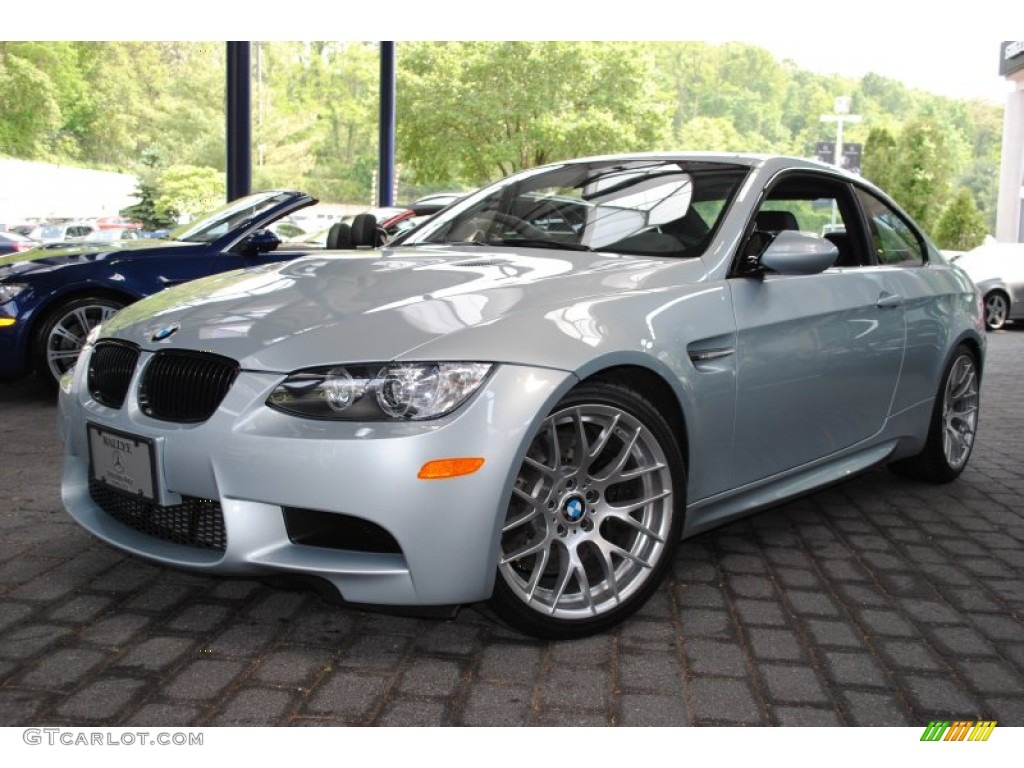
x: 877, y: 602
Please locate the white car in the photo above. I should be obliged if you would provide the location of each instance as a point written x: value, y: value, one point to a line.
x: 998, y: 271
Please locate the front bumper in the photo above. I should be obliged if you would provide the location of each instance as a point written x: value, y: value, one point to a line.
x: 12, y: 345
x: 255, y: 462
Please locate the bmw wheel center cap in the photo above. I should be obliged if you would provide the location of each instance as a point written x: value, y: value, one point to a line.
x: 574, y: 508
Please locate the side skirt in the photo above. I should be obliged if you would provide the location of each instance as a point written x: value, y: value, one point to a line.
x: 726, y: 507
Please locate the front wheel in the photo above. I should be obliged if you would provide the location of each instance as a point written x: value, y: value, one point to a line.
x: 594, y: 515
x: 953, y: 426
x: 63, y: 334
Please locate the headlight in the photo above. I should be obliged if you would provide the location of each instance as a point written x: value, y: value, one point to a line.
x: 379, y: 391
x: 9, y: 291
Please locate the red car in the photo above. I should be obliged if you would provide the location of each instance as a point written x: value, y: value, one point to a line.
x: 12, y: 242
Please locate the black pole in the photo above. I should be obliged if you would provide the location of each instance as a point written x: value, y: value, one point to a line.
x: 386, y: 171
x: 239, y: 128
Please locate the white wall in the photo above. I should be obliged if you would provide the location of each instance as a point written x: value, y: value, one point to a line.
x: 40, y: 190
x: 1010, y: 211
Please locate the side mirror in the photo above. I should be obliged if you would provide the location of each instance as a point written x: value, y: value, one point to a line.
x: 798, y: 253
x: 260, y: 241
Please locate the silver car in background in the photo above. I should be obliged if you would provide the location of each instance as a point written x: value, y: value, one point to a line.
x: 998, y: 271
x: 535, y: 395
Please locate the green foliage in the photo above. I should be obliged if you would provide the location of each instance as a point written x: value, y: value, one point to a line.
x: 472, y: 111
x: 29, y: 111
x: 961, y: 226
x: 476, y: 111
x: 145, y: 211
x: 921, y: 171
x: 315, y: 117
x: 187, y: 191
x: 714, y: 134
x: 879, y: 157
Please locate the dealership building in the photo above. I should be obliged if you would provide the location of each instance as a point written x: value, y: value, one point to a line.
x: 1010, y: 215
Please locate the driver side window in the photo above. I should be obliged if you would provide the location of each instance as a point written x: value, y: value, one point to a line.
x: 817, y: 205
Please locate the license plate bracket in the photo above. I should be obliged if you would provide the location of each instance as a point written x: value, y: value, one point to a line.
x: 123, y: 462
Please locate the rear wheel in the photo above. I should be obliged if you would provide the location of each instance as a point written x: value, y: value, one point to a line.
x: 953, y: 425
x: 594, y: 516
x: 997, y: 310
x: 63, y: 334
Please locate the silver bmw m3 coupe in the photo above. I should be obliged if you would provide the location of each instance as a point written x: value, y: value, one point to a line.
x: 533, y: 396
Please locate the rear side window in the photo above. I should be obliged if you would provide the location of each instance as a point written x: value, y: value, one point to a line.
x: 893, y: 240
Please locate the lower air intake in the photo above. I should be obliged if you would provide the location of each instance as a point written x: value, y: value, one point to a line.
x: 193, y: 523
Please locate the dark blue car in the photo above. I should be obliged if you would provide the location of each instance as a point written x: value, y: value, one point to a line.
x: 50, y: 298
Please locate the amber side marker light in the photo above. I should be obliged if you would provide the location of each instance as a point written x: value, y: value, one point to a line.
x: 7, y: 321
x: 441, y: 469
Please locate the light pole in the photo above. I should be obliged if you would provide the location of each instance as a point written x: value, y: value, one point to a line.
x: 842, y: 115
x: 842, y: 109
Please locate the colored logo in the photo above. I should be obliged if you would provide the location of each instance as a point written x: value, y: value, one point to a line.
x: 958, y: 730
x: 166, y: 332
x: 574, y: 509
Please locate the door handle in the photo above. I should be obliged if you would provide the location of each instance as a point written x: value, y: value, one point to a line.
x: 889, y: 300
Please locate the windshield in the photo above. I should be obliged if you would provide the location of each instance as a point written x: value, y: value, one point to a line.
x: 235, y: 215
x: 649, y: 207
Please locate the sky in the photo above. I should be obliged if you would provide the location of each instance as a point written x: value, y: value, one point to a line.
x: 951, y: 50
x: 973, y: 73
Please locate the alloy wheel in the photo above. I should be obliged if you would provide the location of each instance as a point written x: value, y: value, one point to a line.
x: 67, y: 335
x: 996, y: 311
x: 591, y: 513
x: 960, y: 411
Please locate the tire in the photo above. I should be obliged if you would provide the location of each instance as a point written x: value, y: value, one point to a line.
x: 997, y: 310
x: 594, y: 517
x: 62, y: 335
x: 953, y: 425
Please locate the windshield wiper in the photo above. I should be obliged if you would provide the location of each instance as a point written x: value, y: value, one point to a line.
x: 527, y: 242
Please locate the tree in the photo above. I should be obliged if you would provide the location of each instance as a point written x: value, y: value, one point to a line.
x: 887, y: 96
x: 808, y: 97
x: 29, y: 111
x: 186, y: 191
x: 711, y: 134
x: 984, y: 124
x: 922, y: 174
x: 470, y: 112
x: 145, y: 211
x: 961, y: 226
x: 473, y: 111
x: 877, y: 163
x: 317, y: 118
x: 688, y: 71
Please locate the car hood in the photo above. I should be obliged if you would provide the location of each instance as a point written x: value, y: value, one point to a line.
x: 381, y: 306
x: 53, y: 257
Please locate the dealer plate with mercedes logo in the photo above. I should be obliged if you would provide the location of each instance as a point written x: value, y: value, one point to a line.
x: 123, y: 462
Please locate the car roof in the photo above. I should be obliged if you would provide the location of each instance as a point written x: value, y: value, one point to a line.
x: 770, y: 163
